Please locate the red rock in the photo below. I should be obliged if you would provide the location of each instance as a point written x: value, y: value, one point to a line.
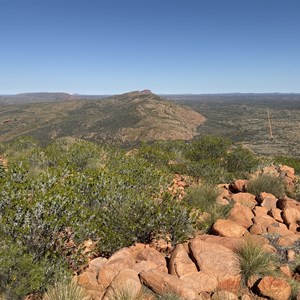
x: 162, y: 283
x: 285, y: 270
x: 231, y: 243
x: 294, y: 227
x: 288, y: 240
x: 180, y: 262
x: 145, y: 266
x: 241, y: 214
x: 275, y: 288
x: 260, y: 211
x: 120, y: 260
x: 150, y: 254
x: 88, y: 280
x: 245, y: 199
x: 287, y: 171
x: 264, y: 222
x: 239, y: 185
x: 97, y: 264
x: 291, y: 255
x: 201, y: 282
x: 279, y: 229
x: 126, y: 282
x: 214, y: 259
x: 290, y: 210
x: 256, y: 229
x: 137, y: 248
x: 230, y: 283
x: 228, y: 228
x: 267, y: 200
x: 276, y: 214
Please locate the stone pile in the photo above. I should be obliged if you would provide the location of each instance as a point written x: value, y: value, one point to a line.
x: 207, y: 267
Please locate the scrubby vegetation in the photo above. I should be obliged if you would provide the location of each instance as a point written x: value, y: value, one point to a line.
x: 54, y: 198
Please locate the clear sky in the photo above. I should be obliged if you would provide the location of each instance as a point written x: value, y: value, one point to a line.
x: 178, y: 46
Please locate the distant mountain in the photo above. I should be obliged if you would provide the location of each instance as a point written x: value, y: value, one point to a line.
x: 130, y: 117
x: 44, y: 97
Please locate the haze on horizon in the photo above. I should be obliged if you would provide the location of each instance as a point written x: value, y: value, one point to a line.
x: 169, y: 47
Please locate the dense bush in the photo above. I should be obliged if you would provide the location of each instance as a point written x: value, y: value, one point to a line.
x: 241, y: 161
x: 94, y: 192
x: 19, y: 273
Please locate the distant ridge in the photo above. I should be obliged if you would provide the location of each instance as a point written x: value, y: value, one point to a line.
x: 126, y: 118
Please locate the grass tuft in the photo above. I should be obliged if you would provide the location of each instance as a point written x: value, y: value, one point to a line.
x: 266, y: 183
x: 254, y: 260
x: 66, y: 291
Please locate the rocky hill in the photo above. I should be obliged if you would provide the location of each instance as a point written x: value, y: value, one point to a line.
x: 135, y: 116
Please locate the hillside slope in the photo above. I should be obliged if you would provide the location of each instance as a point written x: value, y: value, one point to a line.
x: 135, y: 116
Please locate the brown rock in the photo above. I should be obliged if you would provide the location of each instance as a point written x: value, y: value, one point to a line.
x: 290, y: 210
x: 97, y: 264
x: 180, y: 262
x: 230, y: 283
x: 285, y: 269
x: 287, y: 171
x: 229, y: 242
x: 294, y: 227
x: 291, y: 255
x: 264, y: 222
x: 162, y: 283
x: 88, y: 280
x: 241, y: 214
x: 275, y: 288
x: 279, y: 229
x: 137, y: 248
x: 239, y: 185
x: 145, y: 266
x: 245, y: 199
x: 228, y: 228
x: 276, y: 214
x: 260, y: 211
x: 201, y: 282
x: 150, y: 254
x: 214, y: 259
x: 288, y: 240
x: 267, y: 200
x: 256, y: 229
x: 122, y: 259
x: 126, y: 282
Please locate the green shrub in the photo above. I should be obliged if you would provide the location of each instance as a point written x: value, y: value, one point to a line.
x: 241, y: 161
x: 66, y: 290
x: 253, y: 260
x: 266, y: 183
x: 208, y: 147
x: 19, y: 273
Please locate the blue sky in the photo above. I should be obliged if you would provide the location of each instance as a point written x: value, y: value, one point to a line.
x: 178, y: 46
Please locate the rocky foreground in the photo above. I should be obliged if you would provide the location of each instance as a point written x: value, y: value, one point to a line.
x: 206, y: 267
